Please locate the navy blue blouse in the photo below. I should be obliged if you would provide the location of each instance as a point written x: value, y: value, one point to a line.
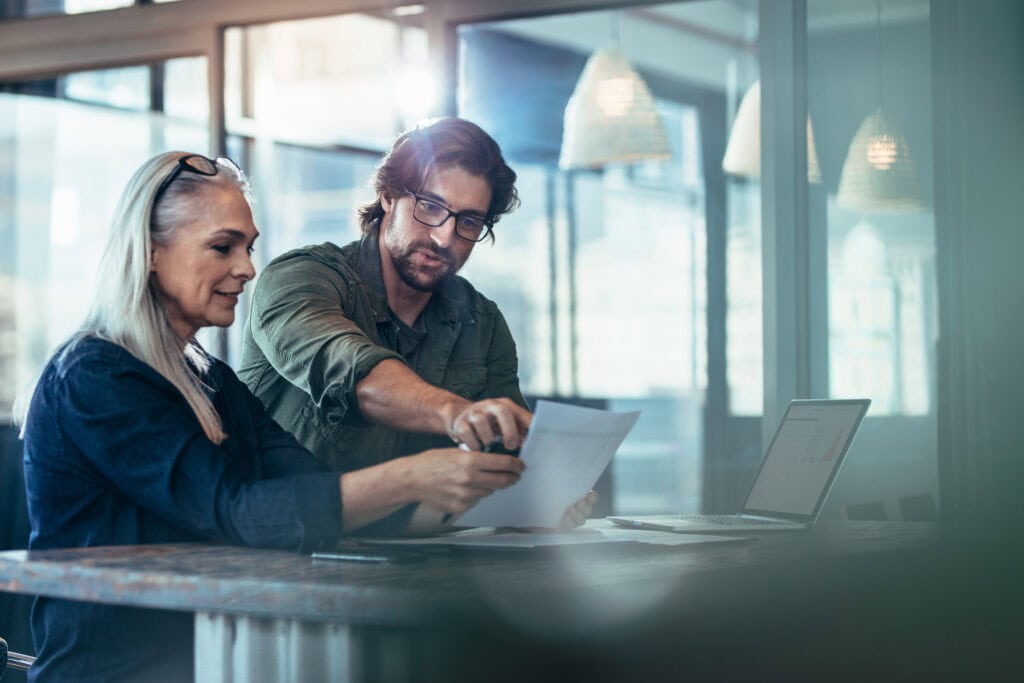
x: 115, y: 456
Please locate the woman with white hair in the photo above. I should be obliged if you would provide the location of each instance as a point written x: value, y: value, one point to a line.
x: 136, y: 435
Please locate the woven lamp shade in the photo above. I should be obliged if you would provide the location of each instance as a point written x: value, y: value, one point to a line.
x: 610, y: 117
x: 879, y: 172
x: 743, y: 152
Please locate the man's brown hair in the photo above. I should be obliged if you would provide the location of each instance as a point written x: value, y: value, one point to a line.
x: 441, y: 144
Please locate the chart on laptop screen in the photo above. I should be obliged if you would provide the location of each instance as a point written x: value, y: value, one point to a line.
x: 802, y: 458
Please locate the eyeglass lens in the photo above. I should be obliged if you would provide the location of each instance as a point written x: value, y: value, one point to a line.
x: 199, y: 164
x: 433, y: 214
x: 195, y: 163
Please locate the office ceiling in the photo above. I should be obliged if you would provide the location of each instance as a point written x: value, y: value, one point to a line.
x: 708, y: 42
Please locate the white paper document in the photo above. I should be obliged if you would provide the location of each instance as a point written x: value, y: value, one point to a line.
x: 593, y: 532
x: 566, y: 450
x: 490, y: 537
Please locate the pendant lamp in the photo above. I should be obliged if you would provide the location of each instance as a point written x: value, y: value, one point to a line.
x: 743, y: 151
x: 879, y: 172
x: 611, y: 117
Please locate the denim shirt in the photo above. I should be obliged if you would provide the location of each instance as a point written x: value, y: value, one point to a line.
x: 115, y: 456
x: 320, y: 323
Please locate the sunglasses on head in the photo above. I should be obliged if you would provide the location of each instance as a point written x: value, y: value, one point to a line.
x: 198, y: 164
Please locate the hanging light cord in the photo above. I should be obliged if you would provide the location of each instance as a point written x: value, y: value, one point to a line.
x: 878, y: 37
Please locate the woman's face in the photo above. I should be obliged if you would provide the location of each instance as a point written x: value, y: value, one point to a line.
x: 200, y: 274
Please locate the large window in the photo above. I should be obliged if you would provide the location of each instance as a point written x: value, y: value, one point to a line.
x: 353, y: 80
x: 66, y: 151
x: 311, y: 105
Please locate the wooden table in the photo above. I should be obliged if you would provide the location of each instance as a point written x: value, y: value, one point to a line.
x: 880, y: 597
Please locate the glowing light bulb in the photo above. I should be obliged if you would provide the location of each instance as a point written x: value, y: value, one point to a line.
x: 881, y: 152
x: 615, y: 96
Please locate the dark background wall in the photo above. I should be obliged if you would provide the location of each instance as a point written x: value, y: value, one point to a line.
x: 979, y: 142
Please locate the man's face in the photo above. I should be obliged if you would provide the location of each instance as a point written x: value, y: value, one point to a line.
x: 422, y: 256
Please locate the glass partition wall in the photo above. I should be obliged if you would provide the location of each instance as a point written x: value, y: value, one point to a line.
x: 642, y: 284
x: 605, y: 272
x: 633, y: 285
x: 869, y: 98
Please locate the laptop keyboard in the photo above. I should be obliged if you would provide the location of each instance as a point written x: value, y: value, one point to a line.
x: 725, y: 520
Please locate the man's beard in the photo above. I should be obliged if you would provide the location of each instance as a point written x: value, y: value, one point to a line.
x: 413, y: 277
x: 422, y: 282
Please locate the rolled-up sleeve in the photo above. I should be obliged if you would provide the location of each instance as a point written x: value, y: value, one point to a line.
x: 140, y: 436
x: 300, y: 325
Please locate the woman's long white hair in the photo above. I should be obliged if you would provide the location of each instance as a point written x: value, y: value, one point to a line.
x: 126, y: 309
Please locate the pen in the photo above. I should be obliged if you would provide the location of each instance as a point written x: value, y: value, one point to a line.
x: 350, y: 557
x: 366, y: 556
x: 489, y: 448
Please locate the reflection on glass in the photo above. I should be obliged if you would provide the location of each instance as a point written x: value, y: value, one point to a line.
x: 881, y: 287
x: 881, y: 323
x: 603, y: 275
x: 56, y: 201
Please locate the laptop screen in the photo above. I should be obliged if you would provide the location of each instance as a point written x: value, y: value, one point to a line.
x: 804, y: 457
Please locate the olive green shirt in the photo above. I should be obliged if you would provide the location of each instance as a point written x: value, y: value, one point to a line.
x: 320, y: 322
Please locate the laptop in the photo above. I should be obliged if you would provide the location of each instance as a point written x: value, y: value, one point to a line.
x: 794, y: 479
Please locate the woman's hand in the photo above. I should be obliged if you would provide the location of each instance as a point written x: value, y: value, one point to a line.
x: 454, y: 480
x: 578, y: 512
x: 575, y: 516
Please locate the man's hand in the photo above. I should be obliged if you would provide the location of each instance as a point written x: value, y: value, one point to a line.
x: 395, y: 396
x: 478, y: 424
x: 453, y: 480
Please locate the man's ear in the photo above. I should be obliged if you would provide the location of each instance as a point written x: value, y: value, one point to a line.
x: 386, y: 202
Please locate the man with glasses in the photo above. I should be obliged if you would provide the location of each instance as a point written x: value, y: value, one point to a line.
x: 377, y: 350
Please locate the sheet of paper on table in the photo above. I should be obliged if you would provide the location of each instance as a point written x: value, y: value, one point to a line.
x: 594, y: 531
x: 566, y: 450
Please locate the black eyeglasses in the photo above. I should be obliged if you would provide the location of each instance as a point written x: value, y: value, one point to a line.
x: 433, y: 214
x: 194, y: 163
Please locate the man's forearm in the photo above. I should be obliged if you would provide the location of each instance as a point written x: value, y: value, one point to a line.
x: 395, y: 396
